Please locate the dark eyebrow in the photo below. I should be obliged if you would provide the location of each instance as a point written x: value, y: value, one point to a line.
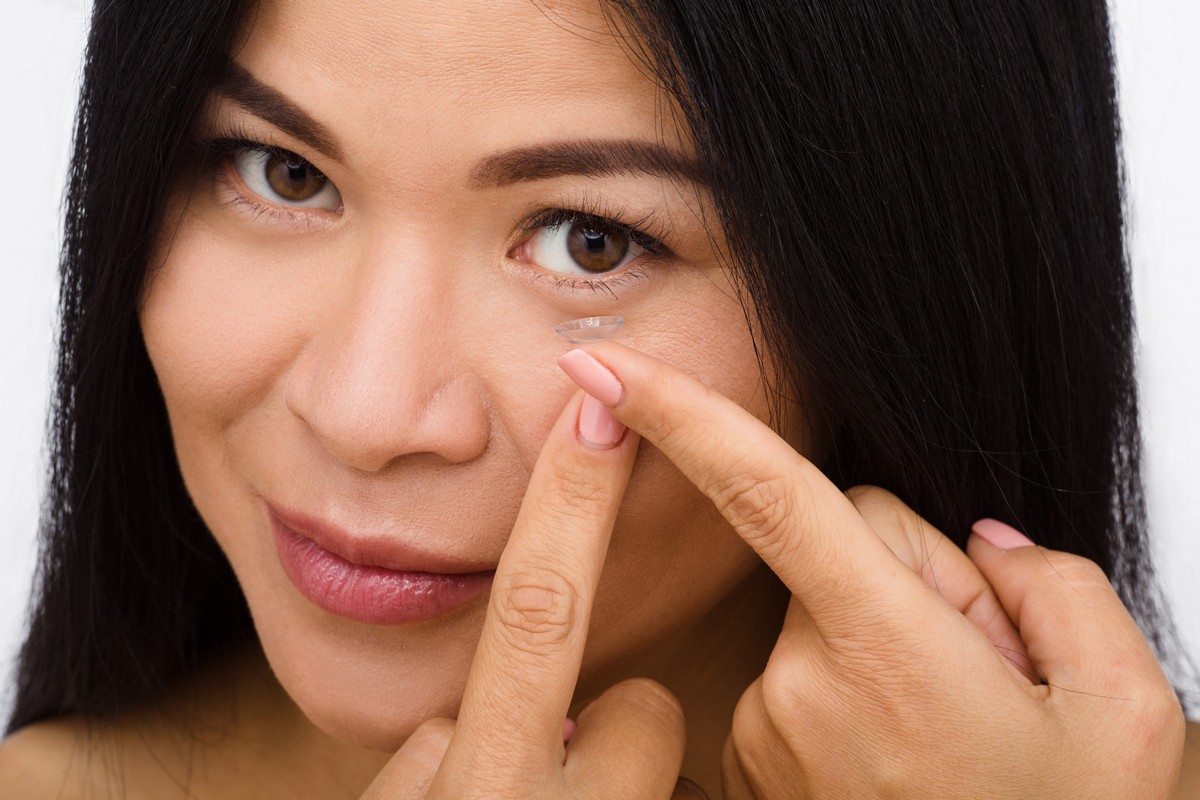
x: 538, y: 162
x: 273, y: 106
x: 586, y: 157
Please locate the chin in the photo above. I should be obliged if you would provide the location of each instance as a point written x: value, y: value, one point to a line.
x: 370, y: 726
x: 371, y: 686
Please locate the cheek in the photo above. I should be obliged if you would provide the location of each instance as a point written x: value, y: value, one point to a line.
x: 219, y: 332
x: 217, y: 329
x: 672, y: 555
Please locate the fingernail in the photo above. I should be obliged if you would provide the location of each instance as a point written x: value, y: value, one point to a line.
x: 1003, y: 536
x: 569, y: 728
x: 592, y: 376
x: 598, y: 428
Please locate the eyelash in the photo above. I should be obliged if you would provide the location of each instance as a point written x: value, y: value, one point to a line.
x: 646, y: 231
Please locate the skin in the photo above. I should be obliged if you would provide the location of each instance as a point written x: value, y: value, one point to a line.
x: 389, y: 365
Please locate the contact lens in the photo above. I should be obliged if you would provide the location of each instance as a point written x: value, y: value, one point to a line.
x: 589, y: 329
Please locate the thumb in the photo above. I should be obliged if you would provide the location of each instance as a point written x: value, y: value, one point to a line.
x: 1077, y: 631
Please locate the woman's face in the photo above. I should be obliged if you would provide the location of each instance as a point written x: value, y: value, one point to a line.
x: 354, y: 337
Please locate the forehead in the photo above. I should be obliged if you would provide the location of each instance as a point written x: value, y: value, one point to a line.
x: 492, y: 70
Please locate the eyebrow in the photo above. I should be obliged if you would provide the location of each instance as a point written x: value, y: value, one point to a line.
x: 593, y: 157
x: 586, y: 157
x: 276, y: 108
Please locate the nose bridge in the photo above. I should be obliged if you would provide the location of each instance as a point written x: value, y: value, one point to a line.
x: 376, y: 381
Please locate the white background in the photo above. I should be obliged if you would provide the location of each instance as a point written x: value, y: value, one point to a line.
x: 1158, y: 50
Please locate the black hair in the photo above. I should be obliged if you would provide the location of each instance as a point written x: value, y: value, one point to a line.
x: 924, y: 200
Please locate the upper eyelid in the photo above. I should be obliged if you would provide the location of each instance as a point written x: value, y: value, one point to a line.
x: 647, y: 230
x: 551, y: 217
x: 225, y: 122
x: 229, y: 145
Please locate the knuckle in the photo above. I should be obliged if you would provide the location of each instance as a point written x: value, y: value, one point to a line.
x: 428, y: 743
x: 883, y: 511
x: 747, y: 751
x: 751, y: 721
x: 1158, y: 712
x: 749, y: 716
x: 779, y: 691
x: 866, y: 497
x: 653, y: 699
x: 1077, y: 572
x: 1152, y: 734
x: 909, y: 536
x: 536, y: 609
x: 758, y: 508
x: 574, y: 496
x: 786, y: 701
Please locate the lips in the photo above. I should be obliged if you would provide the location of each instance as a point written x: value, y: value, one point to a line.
x: 373, y: 580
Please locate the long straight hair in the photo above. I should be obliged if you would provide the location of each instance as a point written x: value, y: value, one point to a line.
x: 923, y: 199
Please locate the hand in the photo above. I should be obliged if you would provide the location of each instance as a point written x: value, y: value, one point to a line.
x: 508, y: 740
x: 880, y: 686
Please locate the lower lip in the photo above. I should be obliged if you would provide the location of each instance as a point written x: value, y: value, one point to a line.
x: 371, y: 594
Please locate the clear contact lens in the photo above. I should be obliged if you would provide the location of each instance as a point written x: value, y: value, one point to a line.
x: 589, y: 329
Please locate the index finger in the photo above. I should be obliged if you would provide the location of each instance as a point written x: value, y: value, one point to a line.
x: 794, y: 517
x: 527, y: 663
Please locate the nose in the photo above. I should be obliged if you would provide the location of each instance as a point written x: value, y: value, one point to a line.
x: 382, y: 377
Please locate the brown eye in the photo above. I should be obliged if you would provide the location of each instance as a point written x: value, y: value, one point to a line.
x: 596, y: 249
x: 571, y: 243
x: 293, y: 178
x: 285, y: 179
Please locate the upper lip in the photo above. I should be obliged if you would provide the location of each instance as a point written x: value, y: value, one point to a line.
x: 385, y: 552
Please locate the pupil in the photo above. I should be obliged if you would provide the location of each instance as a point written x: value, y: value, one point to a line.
x: 595, y: 241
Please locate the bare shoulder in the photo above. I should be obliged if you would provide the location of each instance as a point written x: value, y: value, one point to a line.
x: 49, y: 759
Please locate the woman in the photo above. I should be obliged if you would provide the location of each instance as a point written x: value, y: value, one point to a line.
x: 313, y: 413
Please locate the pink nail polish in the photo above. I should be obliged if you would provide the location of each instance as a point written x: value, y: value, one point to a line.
x: 598, y: 428
x: 592, y: 376
x: 1003, y: 536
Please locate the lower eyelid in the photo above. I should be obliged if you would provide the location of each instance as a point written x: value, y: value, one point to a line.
x: 573, y: 286
x: 235, y: 195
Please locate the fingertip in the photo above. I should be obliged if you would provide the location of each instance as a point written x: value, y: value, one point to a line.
x: 592, y: 376
x: 998, y: 534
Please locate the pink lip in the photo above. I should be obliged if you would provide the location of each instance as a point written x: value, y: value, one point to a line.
x: 371, y: 580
